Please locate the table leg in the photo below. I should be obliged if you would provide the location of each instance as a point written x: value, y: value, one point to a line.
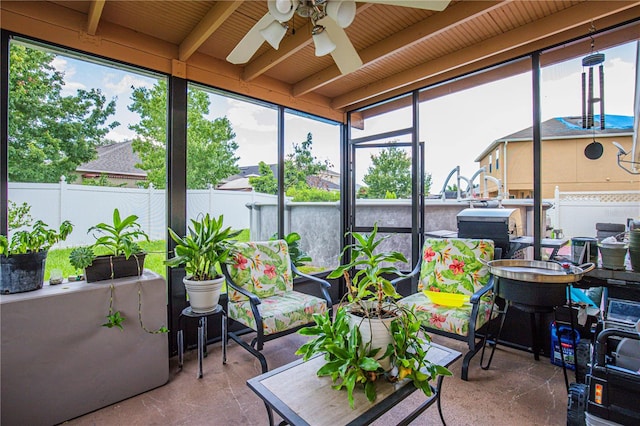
x: 180, y: 349
x: 225, y: 324
x: 200, y: 346
x: 204, y: 327
x: 439, y: 391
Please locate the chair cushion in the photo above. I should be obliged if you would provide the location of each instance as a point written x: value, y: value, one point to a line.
x: 279, y: 312
x: 446, y: 318
x: 262, y: 268
x: 451, y: 265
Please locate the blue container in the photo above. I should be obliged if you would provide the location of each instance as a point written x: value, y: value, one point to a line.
x: 566, y: 341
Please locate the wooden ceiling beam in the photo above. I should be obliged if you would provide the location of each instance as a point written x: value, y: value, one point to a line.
x: 207, y: 26
x: 581, y: 14
x: 288, y: 47
x: 93, y: 18
x: 417, y: 33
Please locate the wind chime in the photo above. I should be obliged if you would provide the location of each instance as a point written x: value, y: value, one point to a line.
x: 594, y: 150
x: 588, y: 98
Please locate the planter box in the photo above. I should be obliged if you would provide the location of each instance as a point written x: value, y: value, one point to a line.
x: 58, y: 363
x: 102, y: 266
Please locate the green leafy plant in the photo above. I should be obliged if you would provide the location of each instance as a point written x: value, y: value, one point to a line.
x: 352, y: 362
x: 19, y: 215
x: 371, y: 269
x: 206, y: 245
x: 120, y: 237
x: 40, y: 237
x: 298, y: 256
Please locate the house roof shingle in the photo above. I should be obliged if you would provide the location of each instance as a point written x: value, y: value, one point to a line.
x: 115, y: 159
x: 567, y: 127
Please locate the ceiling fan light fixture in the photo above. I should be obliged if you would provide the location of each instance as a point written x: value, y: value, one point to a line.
x: 322, y: 41
x: 343, y: 12
x: 274, y: 33
x: 282, y: 10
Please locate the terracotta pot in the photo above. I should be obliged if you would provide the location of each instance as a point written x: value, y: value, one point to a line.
x: 203, y: 295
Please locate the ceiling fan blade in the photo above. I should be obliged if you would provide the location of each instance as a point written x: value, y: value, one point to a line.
x: 251, y: 42
x: 345, y: 55
x: 437, y: 5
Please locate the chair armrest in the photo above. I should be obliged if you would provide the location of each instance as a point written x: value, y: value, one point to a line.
x: 324, y: 284
x: 475, y: 297
x: 410, y: 275
x: 255, y: 300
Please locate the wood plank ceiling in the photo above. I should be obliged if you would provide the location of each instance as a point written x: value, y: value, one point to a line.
x: 402, y: 48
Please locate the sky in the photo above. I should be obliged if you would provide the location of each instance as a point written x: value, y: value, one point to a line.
x: 455, y: 128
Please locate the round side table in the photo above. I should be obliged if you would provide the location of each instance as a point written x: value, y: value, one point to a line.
x: 202, y: 334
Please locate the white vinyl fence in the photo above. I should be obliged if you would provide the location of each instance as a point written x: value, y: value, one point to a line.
x: 85, y: 206
x: 577, y: 213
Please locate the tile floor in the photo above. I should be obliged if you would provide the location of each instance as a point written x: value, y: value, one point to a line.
x: 517, y: 390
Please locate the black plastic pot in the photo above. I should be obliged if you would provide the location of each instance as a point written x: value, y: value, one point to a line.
x: 22, y: 272
x: 103, y: 267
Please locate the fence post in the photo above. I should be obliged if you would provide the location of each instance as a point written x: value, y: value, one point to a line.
x: 149, y: 201
x: 210, y: 198
x: 557, y: 208
x: 61, y: 200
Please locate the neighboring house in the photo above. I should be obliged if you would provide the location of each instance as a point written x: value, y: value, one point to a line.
x: 328, y: 179
x: 117, y: 162
x: 564, y: 163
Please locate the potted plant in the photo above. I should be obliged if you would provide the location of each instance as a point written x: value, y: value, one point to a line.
x: 206, y: 245
x: 121, y: 256
x: 371, y: 335
x: 22, y: 260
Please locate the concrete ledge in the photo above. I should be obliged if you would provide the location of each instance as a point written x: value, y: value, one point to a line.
x: 58, y: 362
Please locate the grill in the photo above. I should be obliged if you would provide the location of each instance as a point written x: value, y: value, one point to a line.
x: 500, y: 225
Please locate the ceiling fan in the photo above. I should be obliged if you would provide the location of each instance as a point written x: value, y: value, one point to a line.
x: 329, y: 18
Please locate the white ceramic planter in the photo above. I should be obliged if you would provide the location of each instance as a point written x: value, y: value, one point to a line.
x: 377, y: 331
x: 203, y: 295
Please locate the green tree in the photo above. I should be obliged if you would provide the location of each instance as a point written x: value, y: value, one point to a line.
x: 390, y: 171
x: 266, y: 182
x: 210, y: 144
x: 50, y: 134
x: 301, y: 164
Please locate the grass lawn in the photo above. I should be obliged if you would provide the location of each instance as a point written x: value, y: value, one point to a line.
x: 156, y: 255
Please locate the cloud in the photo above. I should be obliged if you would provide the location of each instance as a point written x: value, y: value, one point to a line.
x: 71, y: 84
x: 250, y: 117
x: 118, y: 83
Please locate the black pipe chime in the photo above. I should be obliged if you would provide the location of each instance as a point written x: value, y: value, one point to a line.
x: 588, y: 98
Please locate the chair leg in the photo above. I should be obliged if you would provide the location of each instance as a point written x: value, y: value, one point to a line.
x: 466, y: 360
x: 254, y: 352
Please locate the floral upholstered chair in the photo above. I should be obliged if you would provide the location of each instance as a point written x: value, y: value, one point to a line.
x: 261, y: 294
x: 452, y: 265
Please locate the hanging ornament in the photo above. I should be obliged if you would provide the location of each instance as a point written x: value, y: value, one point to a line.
x: 588, y: 98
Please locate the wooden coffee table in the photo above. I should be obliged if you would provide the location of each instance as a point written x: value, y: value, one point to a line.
x: 300, y: 397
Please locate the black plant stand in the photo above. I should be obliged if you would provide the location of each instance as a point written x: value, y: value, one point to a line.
x: 202, y: 334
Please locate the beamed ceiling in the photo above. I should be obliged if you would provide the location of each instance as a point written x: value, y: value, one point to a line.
x: 402, y: 48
